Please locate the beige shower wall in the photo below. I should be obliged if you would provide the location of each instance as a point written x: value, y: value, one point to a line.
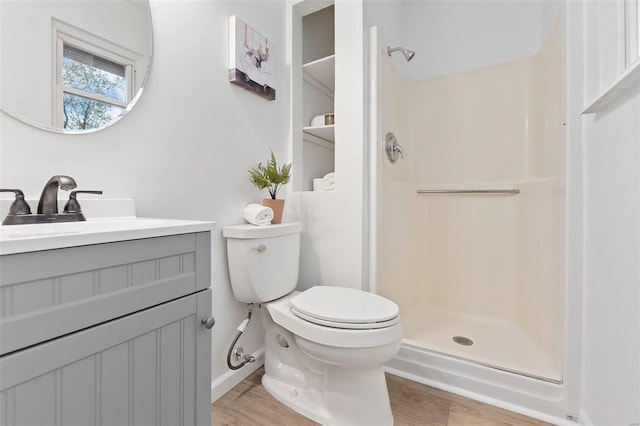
x: 487, y: 255
x: 541, y: 209
x: 471, y: 126
x: 397, y: 206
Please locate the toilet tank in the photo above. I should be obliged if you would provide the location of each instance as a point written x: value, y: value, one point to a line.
x: 263, y: 260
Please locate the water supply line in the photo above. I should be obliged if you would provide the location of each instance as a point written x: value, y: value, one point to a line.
x: 239, y: 353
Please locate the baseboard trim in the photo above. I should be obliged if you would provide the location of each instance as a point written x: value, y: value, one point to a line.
x: 231, y: 378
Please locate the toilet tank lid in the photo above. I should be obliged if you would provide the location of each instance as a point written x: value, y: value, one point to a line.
x: 249, y: 231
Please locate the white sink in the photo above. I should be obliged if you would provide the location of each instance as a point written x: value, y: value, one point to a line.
x: 36, y: 237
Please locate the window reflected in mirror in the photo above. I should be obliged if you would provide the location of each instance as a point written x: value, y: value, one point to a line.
x: 95, y: 78
x: 94, y: 89
x: 73, y: 66
x: 93, y: 74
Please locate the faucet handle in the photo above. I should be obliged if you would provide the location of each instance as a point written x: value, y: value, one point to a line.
x: 19, y: 205
x: 73, y: 206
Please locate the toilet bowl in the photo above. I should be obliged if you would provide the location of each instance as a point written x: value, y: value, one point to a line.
x: 324, y: 347
x: 332, y: 375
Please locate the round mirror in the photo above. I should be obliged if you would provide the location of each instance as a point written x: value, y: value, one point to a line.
x: 73, y: 66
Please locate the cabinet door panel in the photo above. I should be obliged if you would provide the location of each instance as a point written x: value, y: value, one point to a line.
x: 170, y: 381
x: 21, y: 400
x: 79, y: 392
x: 137, y: 370
x: 114, y: 381
x: 145, y: 379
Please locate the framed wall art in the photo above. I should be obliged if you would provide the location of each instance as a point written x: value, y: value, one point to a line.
x: 251, y: 63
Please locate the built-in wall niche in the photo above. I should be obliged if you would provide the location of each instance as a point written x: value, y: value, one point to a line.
x: 318, y: 87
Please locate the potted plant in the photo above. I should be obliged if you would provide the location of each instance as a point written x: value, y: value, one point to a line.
x: 272, y: 177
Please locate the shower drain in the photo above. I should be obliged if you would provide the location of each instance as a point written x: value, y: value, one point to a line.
x: 464, y: 341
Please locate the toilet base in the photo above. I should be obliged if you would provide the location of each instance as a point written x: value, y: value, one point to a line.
x: 307, y: 402
x: 350, y: 398
x: 331, y: 386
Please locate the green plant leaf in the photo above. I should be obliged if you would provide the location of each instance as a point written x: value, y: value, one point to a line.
x: 270, y: 176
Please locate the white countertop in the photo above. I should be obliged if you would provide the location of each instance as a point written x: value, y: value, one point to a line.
x: 47, y: 236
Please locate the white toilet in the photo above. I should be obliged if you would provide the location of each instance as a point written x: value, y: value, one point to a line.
x: 324, y: 346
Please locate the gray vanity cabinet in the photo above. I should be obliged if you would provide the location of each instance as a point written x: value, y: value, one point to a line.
x: 136, y: 354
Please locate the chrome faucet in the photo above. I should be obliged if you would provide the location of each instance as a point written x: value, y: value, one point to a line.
x: 48, y: 203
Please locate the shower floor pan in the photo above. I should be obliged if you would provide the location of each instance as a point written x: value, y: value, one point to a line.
x: 496, y: 344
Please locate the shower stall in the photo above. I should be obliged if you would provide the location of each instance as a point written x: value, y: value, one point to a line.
x: 468, y: 227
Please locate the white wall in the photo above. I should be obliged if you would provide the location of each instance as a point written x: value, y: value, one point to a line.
x: 455, y: 36
x: 611, y: 349
x: 462, y: 35
x: 611, y: 166
x: 184, y: 151
x: 317, y: 38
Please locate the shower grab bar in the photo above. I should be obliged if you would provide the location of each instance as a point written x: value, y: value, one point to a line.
x: 469, y: 191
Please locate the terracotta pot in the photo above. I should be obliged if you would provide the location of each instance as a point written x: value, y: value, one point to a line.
x: 277, y: 206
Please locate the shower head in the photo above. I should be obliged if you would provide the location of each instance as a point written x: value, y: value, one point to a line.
x: 408, y: 54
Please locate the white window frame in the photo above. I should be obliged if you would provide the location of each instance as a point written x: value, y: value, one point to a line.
x: 64, y: 33
x: 632, y: 31
x: 609, y: 76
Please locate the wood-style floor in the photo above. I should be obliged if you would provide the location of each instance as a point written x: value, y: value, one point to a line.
x: 412, y: 404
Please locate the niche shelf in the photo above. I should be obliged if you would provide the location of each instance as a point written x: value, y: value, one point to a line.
x: 321, y: 74
x: 325, y: 133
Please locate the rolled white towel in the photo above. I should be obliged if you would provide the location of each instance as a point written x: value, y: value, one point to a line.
x: 326, y: 186
x: 328, y: 182
x: 257, y: 214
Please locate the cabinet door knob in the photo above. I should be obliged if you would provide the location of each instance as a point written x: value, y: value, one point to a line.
x: 209, y: 322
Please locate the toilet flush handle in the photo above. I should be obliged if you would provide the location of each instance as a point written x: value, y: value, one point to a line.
x: 260, y: 248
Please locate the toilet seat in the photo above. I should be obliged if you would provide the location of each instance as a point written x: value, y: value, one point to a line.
x: 346, y: 326
x: 345, y: 308
x: 339, y: 337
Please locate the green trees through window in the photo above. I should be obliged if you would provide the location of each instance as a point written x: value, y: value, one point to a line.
x: 93, y: 90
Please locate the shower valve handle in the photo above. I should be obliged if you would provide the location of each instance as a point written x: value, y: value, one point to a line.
x: 392, y: 148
